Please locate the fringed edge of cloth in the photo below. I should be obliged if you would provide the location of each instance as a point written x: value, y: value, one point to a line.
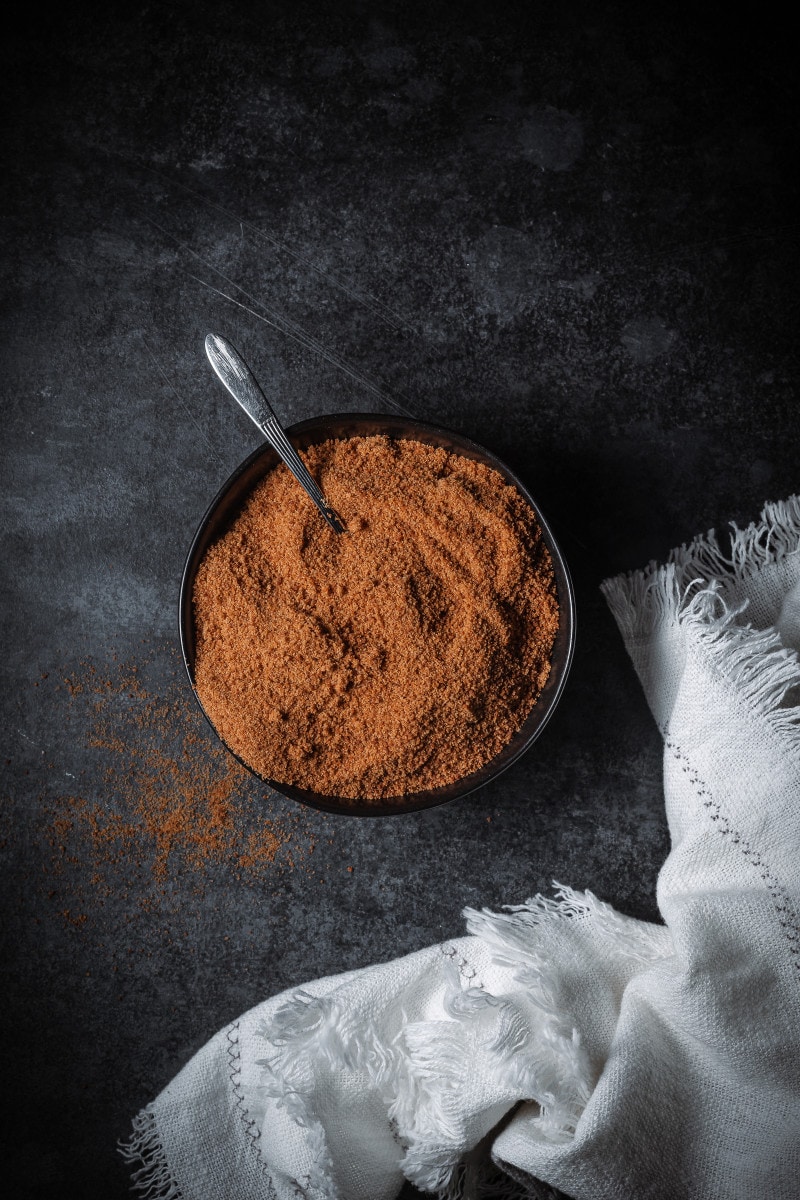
x: 689, y: 591
x: 153, y: 1179
x: 419, y: 1070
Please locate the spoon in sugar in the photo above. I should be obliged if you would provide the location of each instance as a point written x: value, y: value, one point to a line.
x: 240, y: 381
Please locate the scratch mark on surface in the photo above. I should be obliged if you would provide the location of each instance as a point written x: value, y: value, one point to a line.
x: 98, y: 615
x: 375, y: 306
x: 306, y: 340
x: 35, y: 745
x: 183, y: 403
x: 283, y: 324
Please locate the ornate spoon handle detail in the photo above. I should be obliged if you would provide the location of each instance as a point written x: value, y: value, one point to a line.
x: 240, y: 381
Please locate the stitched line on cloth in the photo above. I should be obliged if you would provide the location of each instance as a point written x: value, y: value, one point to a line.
x: 787, y: 917
x: 251, y: 1129
x: 465, y: 969
x: 419, y: 1069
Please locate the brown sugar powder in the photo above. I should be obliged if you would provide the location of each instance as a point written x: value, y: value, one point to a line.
x: 398, y: 656
x: 170, y: 809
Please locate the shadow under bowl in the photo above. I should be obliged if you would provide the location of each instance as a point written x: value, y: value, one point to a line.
x: 227, y: 505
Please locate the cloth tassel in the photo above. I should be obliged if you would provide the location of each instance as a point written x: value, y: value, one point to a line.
x: 154, y: 1179
x: 763, y: 671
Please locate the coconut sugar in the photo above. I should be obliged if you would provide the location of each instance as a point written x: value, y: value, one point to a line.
x: 401, y: 655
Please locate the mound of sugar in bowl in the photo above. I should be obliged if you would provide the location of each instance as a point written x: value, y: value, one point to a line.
x: 401, y: 655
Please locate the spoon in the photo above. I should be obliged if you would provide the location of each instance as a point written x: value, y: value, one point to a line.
x: 240, y: 381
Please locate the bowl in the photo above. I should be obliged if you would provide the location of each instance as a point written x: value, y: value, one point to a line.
x: 228, y: 503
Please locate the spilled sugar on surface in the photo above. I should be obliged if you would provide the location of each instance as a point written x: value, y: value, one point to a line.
x: 167, y: 813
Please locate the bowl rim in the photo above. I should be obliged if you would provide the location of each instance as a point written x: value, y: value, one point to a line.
x: 302, y: 434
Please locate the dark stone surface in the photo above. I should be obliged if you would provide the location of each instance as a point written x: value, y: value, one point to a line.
x: 566, y: 231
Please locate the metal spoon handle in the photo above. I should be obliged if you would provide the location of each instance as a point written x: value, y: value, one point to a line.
x: 240, y: 381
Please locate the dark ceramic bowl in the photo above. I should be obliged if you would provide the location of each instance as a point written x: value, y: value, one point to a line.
x: 227, y: 505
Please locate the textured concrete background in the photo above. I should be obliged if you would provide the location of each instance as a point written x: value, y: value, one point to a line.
x: 566, y: 231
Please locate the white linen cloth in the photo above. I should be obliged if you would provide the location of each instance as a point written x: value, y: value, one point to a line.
x: 561, y: 1041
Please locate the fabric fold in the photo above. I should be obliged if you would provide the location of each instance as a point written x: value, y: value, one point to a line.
x: 562, y: 1043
